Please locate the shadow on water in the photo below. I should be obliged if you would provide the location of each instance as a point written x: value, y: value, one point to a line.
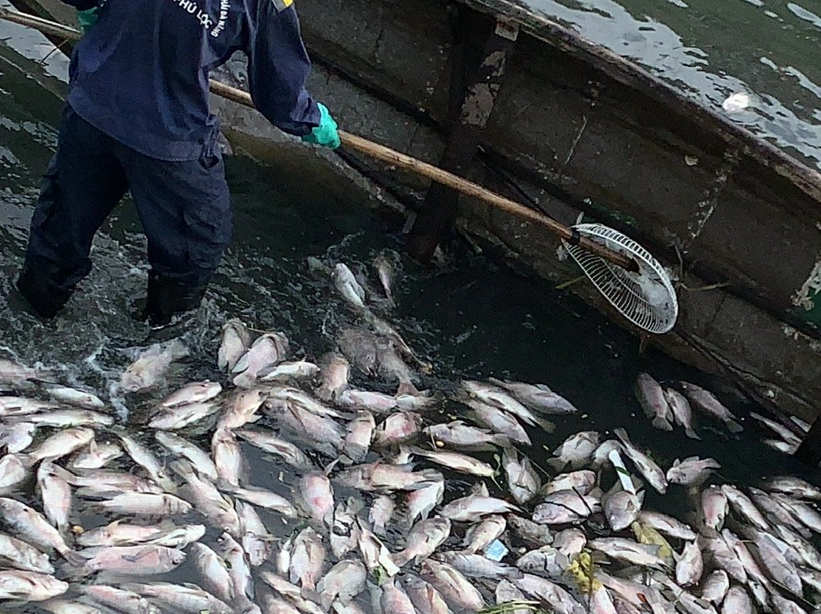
x: 471, y: 316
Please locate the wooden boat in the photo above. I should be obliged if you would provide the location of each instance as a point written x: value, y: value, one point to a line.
x: 497, y: 93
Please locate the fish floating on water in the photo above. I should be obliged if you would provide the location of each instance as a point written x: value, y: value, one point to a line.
x: 416, y: 502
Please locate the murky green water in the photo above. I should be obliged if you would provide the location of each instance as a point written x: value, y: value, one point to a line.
x: 471, y: 317
x: 709, y: 50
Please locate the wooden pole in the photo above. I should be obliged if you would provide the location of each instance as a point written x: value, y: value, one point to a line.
x: 383, y: 153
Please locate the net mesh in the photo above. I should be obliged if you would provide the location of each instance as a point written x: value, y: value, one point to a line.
x: 646, y: 298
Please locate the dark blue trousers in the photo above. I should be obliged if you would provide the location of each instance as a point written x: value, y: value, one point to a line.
x: 184, y: 208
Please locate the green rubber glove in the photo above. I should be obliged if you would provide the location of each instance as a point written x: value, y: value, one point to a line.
x: 325, y: 133
x: 87, y: 18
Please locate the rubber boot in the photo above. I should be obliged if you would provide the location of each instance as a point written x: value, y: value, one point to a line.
x: 165, y: 299
x: 43, y: 297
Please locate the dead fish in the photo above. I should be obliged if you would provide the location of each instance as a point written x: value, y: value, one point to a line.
x: 480, y: 535
x: 194, y: 392
x: 347, y: 285
x: 391, y: 365
x: 383, y: 477
x: 649, y: 469
x: 148, y: 461
x: 216, y: 507
x: 547, y: 561
x: 457, y: 590
x: 374, y: 553
x: 151, y: 365
x: 457, y: 462
x: 478, y: 566
x: 290, y: 370
x: 629, y: 551
x: 385, y: 264
x: 682, y: 412
x: 125, y: 601
x: 179, y: 598
x: 550, y: 594
x: 320, y: 432
x: 15, y: 373
x: 690, y: 565
x: 425, y: 598
x: 23, y: 556
x: 266, y: 350
x: 498, y: 421
x: 397, y: 428
x: 565, y: 507
x: 275, y: 445
x: 377, y: 402
x: 236, y: 339
x: 181, y: 416
x: 79, y: 398
x: 148, y: 504
x: 317, y: 494
x: 582, y: 481
x: 737, y: 601
x: 265, y: 499
x: 690, y: 470
x: 307, y: 559
x: 473, y: 507
x: 242, y: 408
x: 133, y: 560
x: 228, y: 458
x: 457, y: 434
x: 622, y: 508
x: 61, y: 444
x: 744, y: 506
x: 334, y: 371
x: 575, y: 451
x: 423, y: 540
x: 56, y: 495
x: 344, y: 581
x: 381, y: 513
x: 345, y: 534
x: 714, y: 507
x: 497, y: 397
x: 667, y: 525
x: 13, y: 472
x: 537, y: 397
x: 782, y: 431
x: 360, y: 435
x: 709, y: 404
x: 238, y: 567
x: 653, y: 402
x: 804, y: 512
x: 95, y: 456
x: 213, y: 572
x: 426, y: 496
x: 15, y: 438
x: 522, y: 481
x: 796, y: 487
x: 192, y: 452
x: 715, y: 587
x: 535, y: 535
x: 30, y: 586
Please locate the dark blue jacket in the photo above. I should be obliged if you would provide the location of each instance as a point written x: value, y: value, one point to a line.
x: 141, y: 73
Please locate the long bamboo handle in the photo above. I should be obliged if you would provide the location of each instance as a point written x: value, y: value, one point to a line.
x: 386, y: 154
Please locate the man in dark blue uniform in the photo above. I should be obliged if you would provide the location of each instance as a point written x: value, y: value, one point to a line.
x: 137, y: 119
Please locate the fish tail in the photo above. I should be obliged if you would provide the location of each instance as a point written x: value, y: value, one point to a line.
x: 74, y: 559
x: 691, y: 433
x: 407, y: 388
x: 734, y: 426
x: 547, y: 425
x: 660, y: 422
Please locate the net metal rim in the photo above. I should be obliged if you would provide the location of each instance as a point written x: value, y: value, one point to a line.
x: 620, y: 287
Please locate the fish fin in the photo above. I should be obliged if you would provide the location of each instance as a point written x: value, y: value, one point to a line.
x: 557, y: 463
x: 660, y: 422
x: 691, y: 433
x: 74, y: 559
x: 734, y: 426
x: 547, y: 425
x: 622, y: 435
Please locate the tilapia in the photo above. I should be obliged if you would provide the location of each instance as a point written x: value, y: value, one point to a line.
x: 537, y: 397
x: 575, y: 451
x: 257, y: 542
x: 383, y: 477
x: 182, y: 599
x: 782, y: 431
x: 272, y: 444
x: 152, y: 365
x: 198, y: 457
x: 360, y: 435
x: 682, y: 411
x: 565, y: 507
x: 73, y: 396
x: 473, y: 507
x: 320, y: 432
x: 667, y: 525
x: 121, y: 600
x: 380, y: 513
x: 213, y: 572
x: 148, y: 461
x: 56, y: 495
x: 374, y: 553
x: 217, y: 508
x: 268, y: 349
x: 385, y: 264
x: 457, y: 590
x: 241, y: 408
x: 194, y: 392
x: 29, y: 525
x: 307, y: 559
x: 478, y: 566
x: 622, y: 508
x: 535, y: 535
x: 231, y: 465
x: 423, y: 540
x: 238, y: 567
x: 345, y: 534
x: 713, y: 507
x: 61, y: 444
x: 716, y: 549
x: 289, y: 370
x: 691, y: 470
x: 13, y: 472
x: 426, y: 496
x: 334, y: 370
x: 708, y: 403
x: 550, y: 594
x: 480, y: 535
x: 715, y: 587
x: 344, y: 581
x: 95, y: 456
x: 236, y: 339
x: 317, y: 495
x: 147, y: 504
x: 627, y: 550
x: 347, y: 285
x: 581, y: 481
x: 457, y: 462
x: 497, y: 397
x: 737, y: 601
x: 653, y: 402
x: 744, y: 506
x: 181, y: 416
x: 23, y: 556
x: 648, y: 468
x: 397, y: 428
x: 17, y: 437
x: 133, y: 560
x: 30, y: 586
x: 377, y: 402
x: 690, y: 565
x: 425, y: 598
x: 796, y: 487
x: 457, y: 434
x: 522, y: 481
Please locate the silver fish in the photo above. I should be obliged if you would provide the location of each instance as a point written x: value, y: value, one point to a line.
x: 125, y: 601
x: 547, y: 561
x: 499, y: 421
x: 575, y: 451
x: 151, y: 365
x: 61, y: 444
x: 522, y: 481
x: 56, y: 495
x: 682, y: 411
x: 238, y: 567
x: 478, y: 566
x: 537, y: 397
x: 628, y: 550
x: 242, y: 408
x: 785, y: 433
x: 714, y: 507
x: 498, y: 397
x: 17, y: 437
x: 653, y: 402
x: 796, y: 487
x: 535, y: 535
x: 317, y: 495
x: 457, y: 434
x: 721, y: 554
x: 715, y: 587
x: 236, y: 339
x: 79, y: 398
x: 217, y: 508
x: 425, y: 598
x: 307, y: 559
x: 805, y: 513
x: 133, y: 560
x: 394, y: 599
x: 667, y: 525
x: 15, y: 373
x: 344, y: 581
x: 148, y: 504
x: 59, y: 418
x: 744, y: 506
x: 374, y: 553
x: 320, y: 432
x: 380, y: 513
x: 582, y: 481
x: 737, y: 601
x: 425, y: 498
x: 345, y: 534
x: 457, y: 590
x: 473, y: 507
x: 382, y: 477
x: 649, y: 469
x: 457, y: 462
x: 690, y: 565
x: 257, y: 542
x: 385, y: 264
x: 622, y: 508
x: 423, y: 540
x: 565, y: 506
x: 805, y: 548
x: 570, y: 542
x: 29, y: 586
x: 397, y: 428
x: 480, y: 535
x: 65, y: 606
x: 228, y: 458
x: 360, y: 435
x: 274, y: 445
x: 182, y: 447
x: 148, y: 461
x: 268, y: 349
x: 708, y: 403
x: 182, y: 599
x: 95, y: 456
x: 23, y: 556
x: 377, y: 402
x: 776, y: 512
x: 347, y: 285
x: 13, y: 472
x: 290, y: 370
x: 785, y: 606
x: 265, y: 499
x: 779, y: 568
x: 213, y: 572
x: 29, y: 525
x: 195, y: 392
x: 334, y: 371
x: 181, y: 416
x: 691, y: 470
x: 550, y: 594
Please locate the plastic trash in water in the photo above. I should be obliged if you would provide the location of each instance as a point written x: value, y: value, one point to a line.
x: 496, y: 551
